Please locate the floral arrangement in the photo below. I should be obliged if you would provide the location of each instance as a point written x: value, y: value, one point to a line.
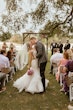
x: 30, y: 71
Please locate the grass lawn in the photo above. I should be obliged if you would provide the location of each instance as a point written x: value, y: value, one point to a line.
x: 52, y: 99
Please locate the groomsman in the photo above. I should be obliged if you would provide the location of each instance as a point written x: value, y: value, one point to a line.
x: 67, y: 45
x: 60, y: 46
x: 53, y: 46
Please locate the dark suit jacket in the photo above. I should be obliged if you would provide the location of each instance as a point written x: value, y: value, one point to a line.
x: 41, y: 54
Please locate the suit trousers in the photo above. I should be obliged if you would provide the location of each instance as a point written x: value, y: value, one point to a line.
x: 42, y: 73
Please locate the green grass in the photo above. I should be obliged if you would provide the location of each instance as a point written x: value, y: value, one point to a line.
x: 52, y: 99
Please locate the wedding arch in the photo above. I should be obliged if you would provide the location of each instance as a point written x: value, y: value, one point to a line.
x: 42, y: 35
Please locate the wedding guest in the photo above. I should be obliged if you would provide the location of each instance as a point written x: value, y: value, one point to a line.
x: 67, y: 45
x: 4, y: 62
x: 4, y: 46
x: 63, y: 62
x: 71, y: 55
x: 11, y: 60
x: 2, y: 81
x: 53, y: 46
x: 68, y: 68
x: 60, y: 46
x: 12, y: 45
x: 13, y: 52
x: 3, y: 59
x: 55, y: 58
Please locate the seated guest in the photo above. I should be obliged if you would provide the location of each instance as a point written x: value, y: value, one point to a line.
x: 63, y: 62
x: 67, y: 68
x: 4, y: 62
x: 71, y: 55
x: 55, y: 58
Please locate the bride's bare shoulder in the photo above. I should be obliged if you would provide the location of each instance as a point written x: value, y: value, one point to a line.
x: 30, y: 52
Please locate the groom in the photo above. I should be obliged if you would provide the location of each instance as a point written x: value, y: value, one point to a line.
x: 42, y: 58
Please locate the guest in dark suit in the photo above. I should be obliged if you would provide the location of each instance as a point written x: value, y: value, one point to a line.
x: 53, y: 46
x: 67, y: 45
x: 60, y: 46
x: 42, y: 58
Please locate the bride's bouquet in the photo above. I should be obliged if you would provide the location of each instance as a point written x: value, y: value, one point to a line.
x: 30, y: 71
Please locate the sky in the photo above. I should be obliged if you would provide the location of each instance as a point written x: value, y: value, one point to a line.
x: 2, y: 7
x: 29, y: 6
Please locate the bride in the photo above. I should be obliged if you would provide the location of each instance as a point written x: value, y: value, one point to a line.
x: 31, y: 83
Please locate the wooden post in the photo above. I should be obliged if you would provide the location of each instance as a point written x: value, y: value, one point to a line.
x: 47, y: 45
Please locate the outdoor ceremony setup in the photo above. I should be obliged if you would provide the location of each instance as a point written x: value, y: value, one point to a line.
x: 36, y: 55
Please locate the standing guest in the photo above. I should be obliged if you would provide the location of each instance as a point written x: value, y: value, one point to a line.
x: 67, y: 45
x: 4, y: 46
x: 60, y: 46
x: 9, y: 55
x: 12, y: 45
x: 53, y: 46
x: 13, y: 52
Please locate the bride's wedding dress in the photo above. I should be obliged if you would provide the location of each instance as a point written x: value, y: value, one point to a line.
x: 31, y: 83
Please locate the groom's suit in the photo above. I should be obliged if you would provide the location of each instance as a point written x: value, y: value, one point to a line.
x: 42, y: 60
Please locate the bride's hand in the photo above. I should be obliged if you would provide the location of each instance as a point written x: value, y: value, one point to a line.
x: 28, y: 66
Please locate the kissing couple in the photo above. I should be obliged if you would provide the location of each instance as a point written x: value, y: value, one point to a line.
x: 37, y: 60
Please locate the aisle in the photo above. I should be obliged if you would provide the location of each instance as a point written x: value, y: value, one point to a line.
x: 52, y: 99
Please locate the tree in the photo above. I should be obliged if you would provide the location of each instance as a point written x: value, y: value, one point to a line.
x: 5, y: 36
x: 64, y: 23
x: 62, y: 17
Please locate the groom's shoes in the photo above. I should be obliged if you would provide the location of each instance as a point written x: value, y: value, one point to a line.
x: 42, y: 92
